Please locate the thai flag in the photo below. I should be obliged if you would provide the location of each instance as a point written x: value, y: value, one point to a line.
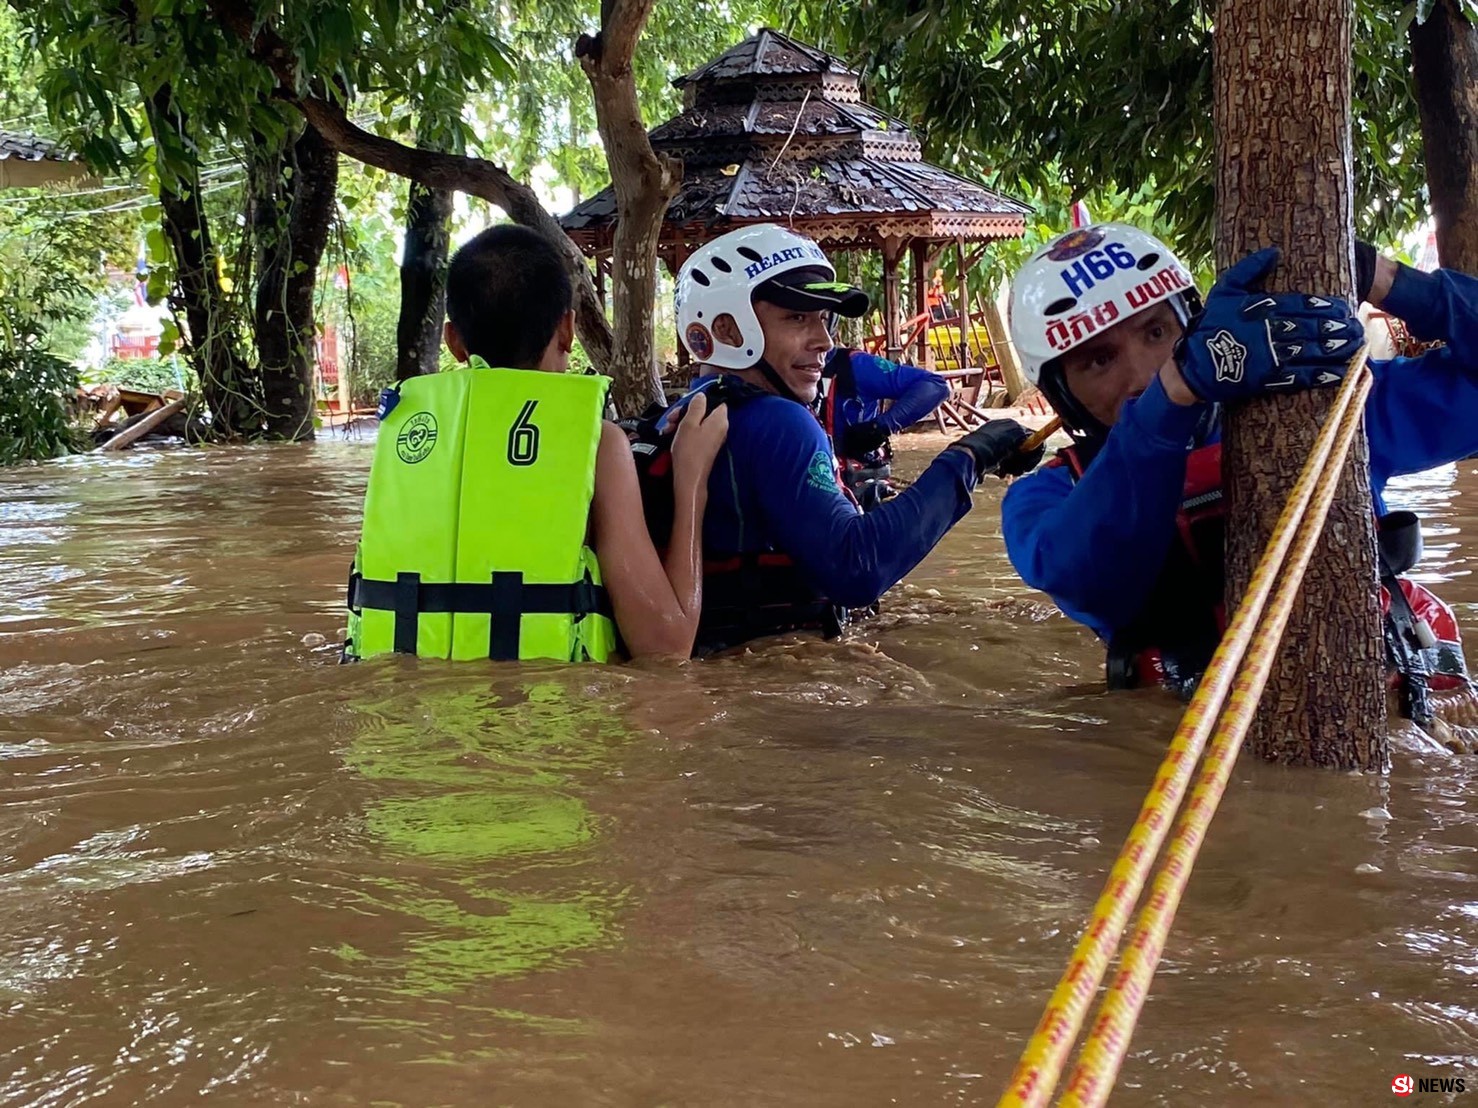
x: 1080, y: 215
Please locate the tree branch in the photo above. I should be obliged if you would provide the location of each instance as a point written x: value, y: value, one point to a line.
x: 621, y: 25
x: 474, y: 176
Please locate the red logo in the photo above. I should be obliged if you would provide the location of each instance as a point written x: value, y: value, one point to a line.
x: 1403, y: 1085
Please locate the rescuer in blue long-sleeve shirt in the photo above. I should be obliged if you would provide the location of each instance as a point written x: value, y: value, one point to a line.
x: 784, y: 547
x: 858, y: 383
x: 854, y: 386
x: 1133, y: 369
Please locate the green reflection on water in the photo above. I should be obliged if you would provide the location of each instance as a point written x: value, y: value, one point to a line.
x: 481, y: 826
x: 480, y: 795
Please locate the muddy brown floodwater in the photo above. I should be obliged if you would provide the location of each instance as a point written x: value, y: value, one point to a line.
x: 814, y: 874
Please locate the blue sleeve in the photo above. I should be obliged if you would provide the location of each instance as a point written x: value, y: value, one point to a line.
x: 851, y: 557
x: 1440, y: 305
x: 1097, y: 546
x: 915, y: 392
x: 1423, y: 412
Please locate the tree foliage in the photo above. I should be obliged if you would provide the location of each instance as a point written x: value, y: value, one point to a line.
x: 1098, y: 99
x: 396, y: 69
x: 544, y: 119
x: 52, y: 249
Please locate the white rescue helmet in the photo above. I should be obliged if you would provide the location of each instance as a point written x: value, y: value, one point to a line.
x: 721, y: 278
x: 1085, y: 281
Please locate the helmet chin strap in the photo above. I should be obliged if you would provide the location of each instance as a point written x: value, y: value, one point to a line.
x: 1079, y: 423
x: 776, y: 382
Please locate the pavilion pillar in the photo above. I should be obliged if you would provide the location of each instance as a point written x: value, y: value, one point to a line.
x: 962, y: 277
x: 918, y: 264
x: 893, y: 246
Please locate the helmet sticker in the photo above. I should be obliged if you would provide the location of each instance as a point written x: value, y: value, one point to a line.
x: 805, y: 249
x: 699, y: 341
x: 1097, y: 265
x: 1063, y: 334
x: 1075, y: 244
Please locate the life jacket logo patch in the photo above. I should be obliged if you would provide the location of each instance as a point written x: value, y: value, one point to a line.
x: 417, y: 438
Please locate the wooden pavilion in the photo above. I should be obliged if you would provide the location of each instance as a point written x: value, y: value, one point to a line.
x: 27, y: 161
x: 775, y: 131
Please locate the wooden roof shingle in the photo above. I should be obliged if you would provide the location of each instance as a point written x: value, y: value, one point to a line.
x: 775, y: 130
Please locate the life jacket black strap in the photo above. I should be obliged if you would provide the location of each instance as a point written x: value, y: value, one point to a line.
x: 506, y: 602
x: 506, y: 598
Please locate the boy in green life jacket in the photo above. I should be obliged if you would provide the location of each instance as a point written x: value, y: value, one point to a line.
x: 503, y: 518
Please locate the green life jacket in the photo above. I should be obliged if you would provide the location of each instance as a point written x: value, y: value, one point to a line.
x: 475, y: 520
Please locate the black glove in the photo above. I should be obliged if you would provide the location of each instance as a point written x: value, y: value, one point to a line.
x: 996, y: 448
x: 861, y: 439
x: 1246, y: 342
x: 1364, y: 271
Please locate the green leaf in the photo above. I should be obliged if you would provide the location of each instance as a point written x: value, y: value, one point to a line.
x: 336, y: 31
x: 157, y: 286
x: 156, y: 246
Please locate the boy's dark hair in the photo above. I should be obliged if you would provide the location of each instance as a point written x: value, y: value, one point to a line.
x: 506, y: 292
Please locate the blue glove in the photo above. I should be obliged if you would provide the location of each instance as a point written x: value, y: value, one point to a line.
x: 1247, y: 343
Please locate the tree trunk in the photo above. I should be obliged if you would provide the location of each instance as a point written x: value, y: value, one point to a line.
x: 1284, y: 178
x: 644, y: 182
x: 293, y: 226
x: 230, y: 385
x: 423, y: 281
x: 1444, y: 61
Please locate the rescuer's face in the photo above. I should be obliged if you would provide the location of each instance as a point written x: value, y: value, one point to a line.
x: 796, y: 345
x: 1120, y: 362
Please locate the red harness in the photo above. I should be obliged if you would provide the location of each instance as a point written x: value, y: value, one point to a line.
x: 1200, y: 524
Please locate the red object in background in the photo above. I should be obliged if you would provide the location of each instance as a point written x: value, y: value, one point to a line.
x: 123, y: 345
x: 326, y: 349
